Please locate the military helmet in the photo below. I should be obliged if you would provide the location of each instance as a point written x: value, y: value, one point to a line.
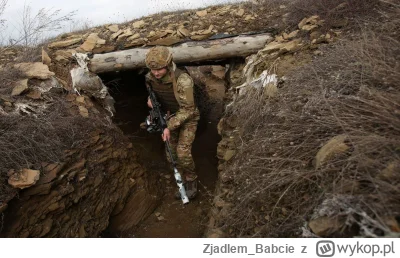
x: 158, y: 57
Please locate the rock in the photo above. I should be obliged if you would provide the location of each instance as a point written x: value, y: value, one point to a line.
x: 310, y: 23
x: 113, y: 28
x: 116, y: 34
x: 138, y: 24
x: 65, y: 43
x: 229, y: 154
x: 282, y: 47
x: 249, y: 17
x: 158, y: 35
x: 103, y: 49
x: 24, y: 178
x: 125, y: 34
x: 80, y: 99
x: 36, y: 70
x: 201, y: 13
x: 183, y: 32
x: 20, y: 87
x: 91, y: 42
x: 325, y: 226
x: 83, y: 111
x: 45, y: 58
x: 240, y: 12
x: 292, y: 34
x: 334, y: 146
x: 136, y: 42
x: 133, y: 37
x: 168, y: 41
x: 64, y: 54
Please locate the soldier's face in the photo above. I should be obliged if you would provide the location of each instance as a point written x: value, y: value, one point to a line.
x: 159, y: 73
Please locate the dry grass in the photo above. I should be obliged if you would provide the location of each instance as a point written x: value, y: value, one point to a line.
x: 354, y: 91
x: 332, y: 11
x: 29, y: 140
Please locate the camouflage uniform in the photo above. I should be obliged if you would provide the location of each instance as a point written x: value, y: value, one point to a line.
x: 185, y: 115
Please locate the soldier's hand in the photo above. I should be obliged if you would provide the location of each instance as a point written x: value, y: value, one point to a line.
x: 149, y: 103
x: 166, y: 135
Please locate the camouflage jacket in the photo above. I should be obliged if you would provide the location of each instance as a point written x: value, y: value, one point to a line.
x: 185, y: 97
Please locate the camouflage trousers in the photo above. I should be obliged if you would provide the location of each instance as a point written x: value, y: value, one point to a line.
x: 181, y: 141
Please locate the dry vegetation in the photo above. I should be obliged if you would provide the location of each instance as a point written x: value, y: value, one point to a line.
x: 350, y: 92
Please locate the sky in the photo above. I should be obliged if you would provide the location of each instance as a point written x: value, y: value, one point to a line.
x: 96, y: 12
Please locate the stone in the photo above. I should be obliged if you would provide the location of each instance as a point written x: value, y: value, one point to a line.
x: 282, y: 47
x: 326, y: 226
x: 20, y: 87
x: 249, y: 17
x: 229, y: 154
x: 168, y: 41
x: 240, y: 12
x: 113, y: 28
x: 127, y: 33
x: 45, y: 58
x: 138, y: 24
x: 65, y: 43
x: 158, y: 35
x: 292, y: 34
x: 183, y: 32
x: 133, y: 37
x: 333, y: 147
x: 136, y: 42
x: 24, y: 178
x: 116, y: 34
x: 310, y: 23
x: 83, y: 111
x: 201, y: 13
x: 36, y: 70
x: 91, y: 42
x: 103, y: 49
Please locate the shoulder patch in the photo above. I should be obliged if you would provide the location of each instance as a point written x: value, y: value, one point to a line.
x: 185, y: 88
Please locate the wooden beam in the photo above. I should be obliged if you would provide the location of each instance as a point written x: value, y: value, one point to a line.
x: 189, y: 52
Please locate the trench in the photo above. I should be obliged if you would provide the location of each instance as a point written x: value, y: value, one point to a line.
x: 170, y: 218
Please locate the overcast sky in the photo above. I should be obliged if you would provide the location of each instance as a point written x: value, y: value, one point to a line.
x: 99, y: 11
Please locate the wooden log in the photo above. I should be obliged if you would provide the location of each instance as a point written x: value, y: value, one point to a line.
x: 189, y: 52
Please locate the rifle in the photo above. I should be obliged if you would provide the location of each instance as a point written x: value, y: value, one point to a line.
x: 155, y: 123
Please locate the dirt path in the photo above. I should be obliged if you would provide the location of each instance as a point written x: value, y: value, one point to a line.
x: 172, y: 218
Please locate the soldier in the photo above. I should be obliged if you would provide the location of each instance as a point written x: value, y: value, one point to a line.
x: 174, y: 89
